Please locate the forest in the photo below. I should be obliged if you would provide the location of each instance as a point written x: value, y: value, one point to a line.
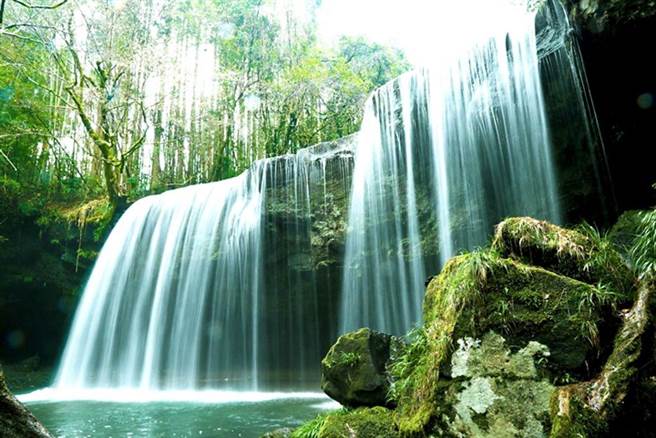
x: 327, y: 219
x: 118, y: 100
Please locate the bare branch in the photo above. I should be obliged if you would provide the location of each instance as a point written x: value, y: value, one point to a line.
x: 29, y: 6
x: 8, y: 160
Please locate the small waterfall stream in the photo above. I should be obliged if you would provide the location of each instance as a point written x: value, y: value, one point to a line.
x: 243, y: 284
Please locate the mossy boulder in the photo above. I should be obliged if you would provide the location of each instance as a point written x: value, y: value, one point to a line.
x: 480, y: 292
x: 354, y: 372
x: 376, y: 422
x: 528, y: 338
x: 523, y: 303
x: 15, y: 419
x: 581, y: 254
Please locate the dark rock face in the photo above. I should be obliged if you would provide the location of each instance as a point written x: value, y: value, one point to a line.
x: 45, y: 258
x: 599, y: 16
x: 15, y: 420
x: 615, y: 39
x: 354, y: 370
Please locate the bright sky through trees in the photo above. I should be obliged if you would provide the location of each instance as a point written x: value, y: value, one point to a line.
x: 421, y: 28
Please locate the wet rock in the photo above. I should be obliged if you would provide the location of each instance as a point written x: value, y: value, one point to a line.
x: 512, y: 349
x: 354, y: 370
x: 15, y: 419
x: 597, y: 16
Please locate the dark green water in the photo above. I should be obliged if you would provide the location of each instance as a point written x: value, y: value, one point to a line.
x: 102, y: 419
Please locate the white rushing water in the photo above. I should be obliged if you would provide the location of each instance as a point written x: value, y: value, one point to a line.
x: 444, y: 154
x: 151, y: 316
x: 179, y: 298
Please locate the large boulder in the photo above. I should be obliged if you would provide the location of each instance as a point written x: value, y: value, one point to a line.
x: 590, y: 408
x: 15, y: 419
x: 480, y: 292
x: 354, y: 372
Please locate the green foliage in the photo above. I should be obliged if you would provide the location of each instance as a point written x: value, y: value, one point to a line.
x: 348, y: 360
x: 362, y: 422
x: 643, y: 251
x: 403, y: 366
x: 312, y: 428
x: 274, y: 89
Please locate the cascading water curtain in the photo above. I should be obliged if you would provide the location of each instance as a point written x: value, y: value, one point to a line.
x: 444, y: 153
x: 173, y: 299
x: 215, y: 286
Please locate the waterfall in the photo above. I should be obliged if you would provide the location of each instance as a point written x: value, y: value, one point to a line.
x: 444, y: 153
x: 213, y: 286
x: 235, y: 285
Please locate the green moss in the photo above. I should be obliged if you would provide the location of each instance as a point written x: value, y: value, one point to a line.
x: 572, y: 417
x: 377, y: 422
x: 417, y: 372
x: 312, y: 428
x: 587, y: 409
x: 374, y: 422
x: 582, y: 254
x: 625, y: 230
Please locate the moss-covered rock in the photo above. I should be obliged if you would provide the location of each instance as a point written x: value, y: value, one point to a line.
x: 581, y: 254
x: 480, y: 292
x: 494, y: 392
x: 587, y: 409
x: 354, y: 372
x: 376, y: 422
x: 15, y: 420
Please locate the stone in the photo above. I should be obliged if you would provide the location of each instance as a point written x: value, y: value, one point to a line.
x: 496, y: 393
x: 15, y: 419
x: 589, y: 408
x: 354, y: 372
